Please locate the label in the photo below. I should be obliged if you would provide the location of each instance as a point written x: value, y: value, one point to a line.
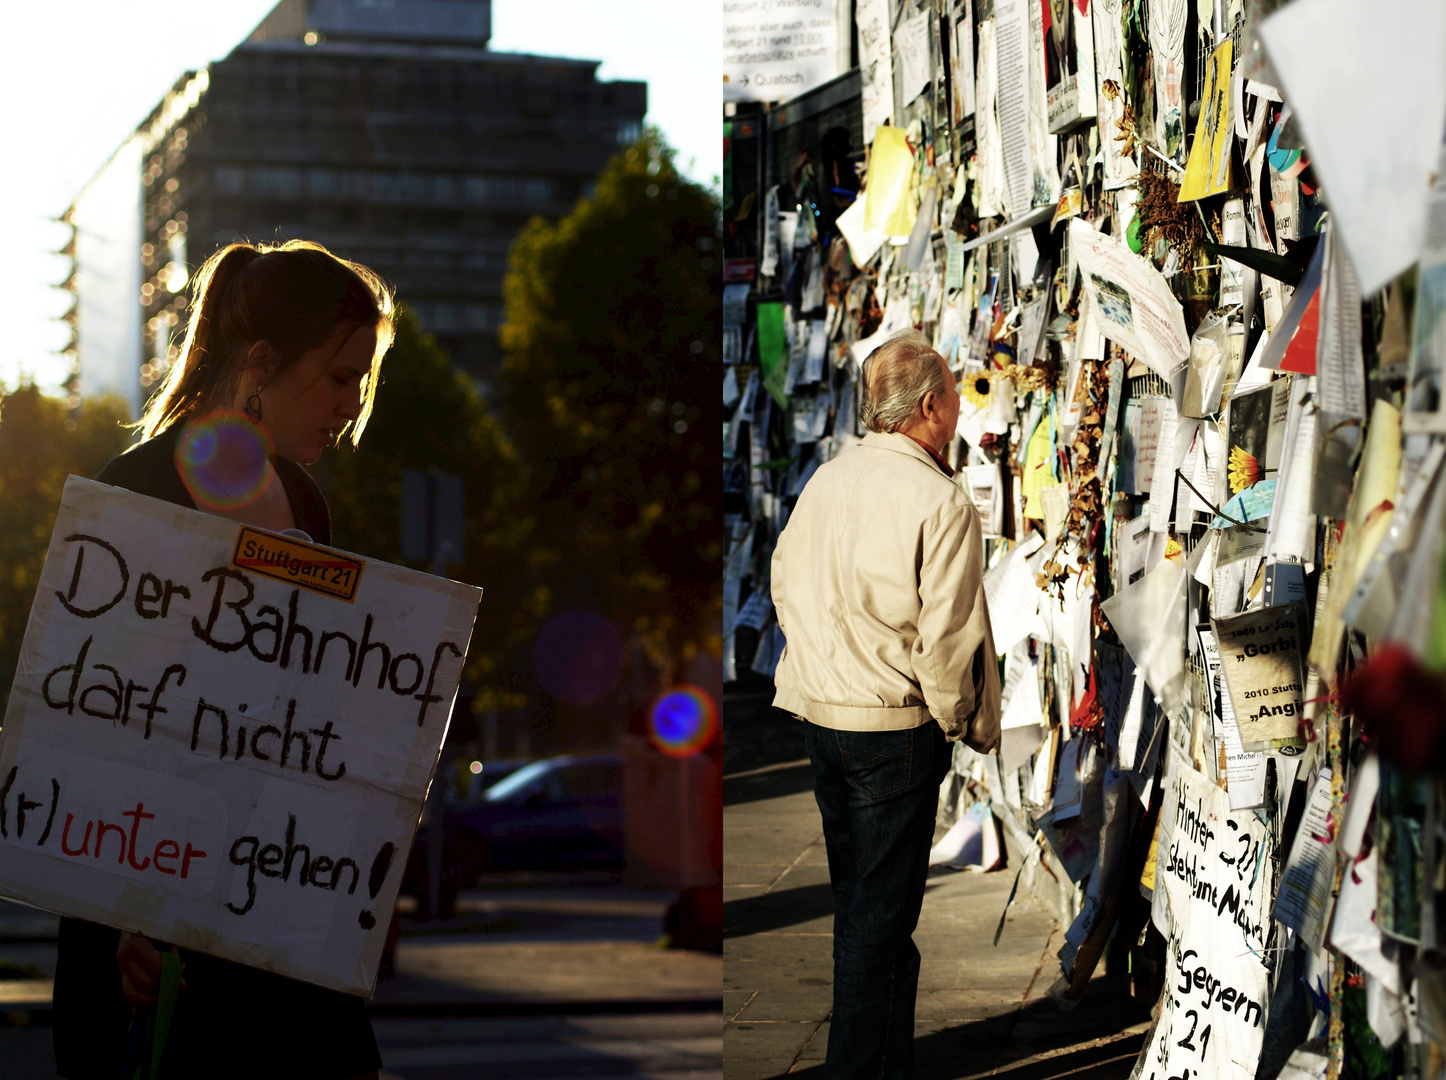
x: 294, y: 562
x: 739, y: 269
x: 1261, y: 654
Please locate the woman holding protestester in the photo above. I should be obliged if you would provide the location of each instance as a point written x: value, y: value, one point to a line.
x: 281, y: 358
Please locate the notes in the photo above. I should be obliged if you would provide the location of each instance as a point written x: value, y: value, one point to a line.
x: 1152, y: 413
x: 1054, y: 500
x: 982, y: 483
x: 1425, y: 406
x: 1232, y: 234
x: 889, y: 207
x: 1134, y: 302
x: 1208, y: 171
x: 961, y: 57
x: 1133, y: 721
x: 863, y: 244
x: 1252, y: 504
x: 1303, y: 900
x: 1011, y: 26
x: 1339, y: 364
x: 769, y: 53
x: 1160, y: 415
x: 1038, y: 471
x: 1371, y: 98
x: 1292, y: 526
x: 1261, y: 656
x: 1120, y: 168
x: 1245, y: 769
x: 1149, y: 618
x: 876, y: 64
x: 1012, y: 596
x: 1366, y: 525
x: 1167, y: 52
x: 912, y: 40
x: 1133, y: 549
x: 815, y: 350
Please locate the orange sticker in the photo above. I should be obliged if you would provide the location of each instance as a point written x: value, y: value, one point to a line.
x: 294, y: 562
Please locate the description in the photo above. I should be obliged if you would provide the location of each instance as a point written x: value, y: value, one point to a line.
x: 220, y: 737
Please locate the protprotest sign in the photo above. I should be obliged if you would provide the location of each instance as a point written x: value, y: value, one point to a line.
x: 1212, y: 890
x: 222, y: 738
